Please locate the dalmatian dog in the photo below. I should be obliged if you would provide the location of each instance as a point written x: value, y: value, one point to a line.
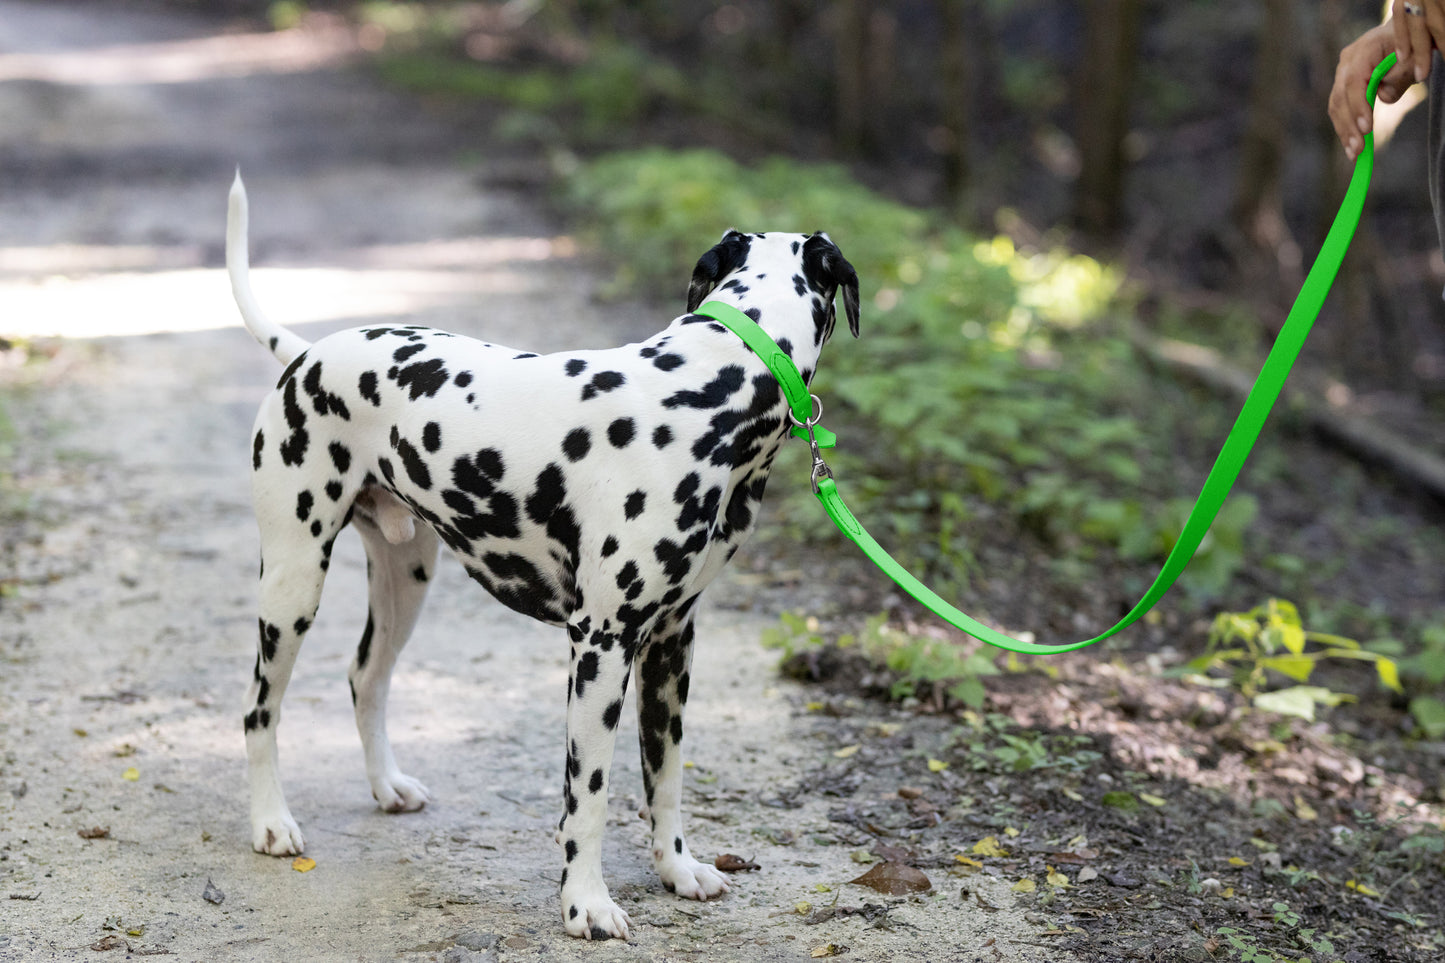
x: 599, y: 491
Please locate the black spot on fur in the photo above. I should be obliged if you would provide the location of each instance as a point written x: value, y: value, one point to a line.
x: 575, y: 367
x: 594, y: 784
x: 714, y: 394
x: 547, y: 494
x: 291, y: 369
x: 322, y: 400
x: 419, y: 573
x: 423, y: 377
x: 302, y: 624
x: 270, y: 638
x: 411, y: 460
x: 577, y: 444
x: 293, y: 449
x: 304, y: 502
x: 462, y: 379
x: 586, y: 672
x: 612, y: 714
x: 516, y: 582
x: 677, y: 845
x: 609, y: 547
x: 636, y: 502
x: 256, y: 444
x: 431, y: 437
x: 340, y: 456
x: 669, y: 362
x: 571, y: 849
x: 627, y: 575
x: 366, y: 384
x: 621, y: 432
x: 363, y: 651
x: 661, y: 436
x: 677, y: 559
x: 406, y: 351
x: 603, y: 382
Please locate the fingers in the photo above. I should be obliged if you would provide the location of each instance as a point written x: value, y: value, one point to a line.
x: 1349, y: 111
x: 1347, y: 116
x: 1418, y: 33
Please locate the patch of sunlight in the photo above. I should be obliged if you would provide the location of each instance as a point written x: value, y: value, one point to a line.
x: 186, y: 61
x: 95, y: 291
x: 112, y: 305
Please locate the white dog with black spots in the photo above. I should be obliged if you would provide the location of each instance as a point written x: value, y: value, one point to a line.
x: 600, y: 491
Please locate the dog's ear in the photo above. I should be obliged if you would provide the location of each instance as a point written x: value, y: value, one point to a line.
x: 726, y: 256
x: 827, y: 265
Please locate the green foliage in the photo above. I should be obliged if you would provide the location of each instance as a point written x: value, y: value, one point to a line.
x: 794, y: 634
x: 1288, y: 926
x: 920, y: 664
x: 1394, y: 849
x: 616, y: 87
x: 995, y: 743
x: 1271, y: 640
x: 990, y: 377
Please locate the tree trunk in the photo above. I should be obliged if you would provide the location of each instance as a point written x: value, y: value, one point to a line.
x: 1106, y: 84
x: 1111, y: 45
x: 957, y: 76
x: 1257, y: 210
x: 849, y: 71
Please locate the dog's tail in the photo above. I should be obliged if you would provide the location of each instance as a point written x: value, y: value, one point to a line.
x: 280, y: 342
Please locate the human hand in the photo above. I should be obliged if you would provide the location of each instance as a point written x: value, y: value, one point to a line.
x: 1350, y: 112
x: 1419, y: 27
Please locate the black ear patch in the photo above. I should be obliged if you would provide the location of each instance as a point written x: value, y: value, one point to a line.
x: 829, y: 271
x: 726, y: 256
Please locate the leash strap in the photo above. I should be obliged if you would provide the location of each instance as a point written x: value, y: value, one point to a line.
x: 1217, y: 485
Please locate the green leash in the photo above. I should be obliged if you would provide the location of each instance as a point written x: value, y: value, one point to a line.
x: 1217, y: 485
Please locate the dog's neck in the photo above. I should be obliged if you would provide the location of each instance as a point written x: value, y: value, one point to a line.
x: 798, y: 324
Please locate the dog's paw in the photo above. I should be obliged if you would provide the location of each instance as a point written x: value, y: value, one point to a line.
x: 594, y: 918
x: 277, y: 836
x: 691, y: 879
x: 398, y: 793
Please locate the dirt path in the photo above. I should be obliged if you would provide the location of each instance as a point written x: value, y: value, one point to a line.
x: 126, y: 616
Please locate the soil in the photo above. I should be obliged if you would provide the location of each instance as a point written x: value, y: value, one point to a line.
x: 1094, y: 809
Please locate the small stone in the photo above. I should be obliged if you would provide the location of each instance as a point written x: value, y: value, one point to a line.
x: 478, y: 941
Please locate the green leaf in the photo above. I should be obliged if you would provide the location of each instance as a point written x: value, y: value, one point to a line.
x: 1293, y: 638
x: 1429, y: 712
x: 1297, y: 667
x: 1119, y: 799
x: 1299, y: 701
x: 1389, y: 673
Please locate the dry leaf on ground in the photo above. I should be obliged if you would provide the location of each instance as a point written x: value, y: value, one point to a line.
x: 894, y: 879
x: 729, y: 863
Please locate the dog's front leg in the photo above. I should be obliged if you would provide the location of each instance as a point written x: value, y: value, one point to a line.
x: 662, y: 682
x: 597, y: 684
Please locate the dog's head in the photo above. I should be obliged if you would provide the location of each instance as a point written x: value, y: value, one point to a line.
x: 812, y: 262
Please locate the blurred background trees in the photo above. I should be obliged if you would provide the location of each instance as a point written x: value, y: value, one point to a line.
x: 1188, y: 138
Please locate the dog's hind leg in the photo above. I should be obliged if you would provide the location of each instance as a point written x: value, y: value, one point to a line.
x: 662, y: 681
x: 293, y: 564
x: 397, y: 574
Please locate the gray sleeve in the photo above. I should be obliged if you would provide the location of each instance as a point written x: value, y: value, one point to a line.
x: 1436, y: 159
